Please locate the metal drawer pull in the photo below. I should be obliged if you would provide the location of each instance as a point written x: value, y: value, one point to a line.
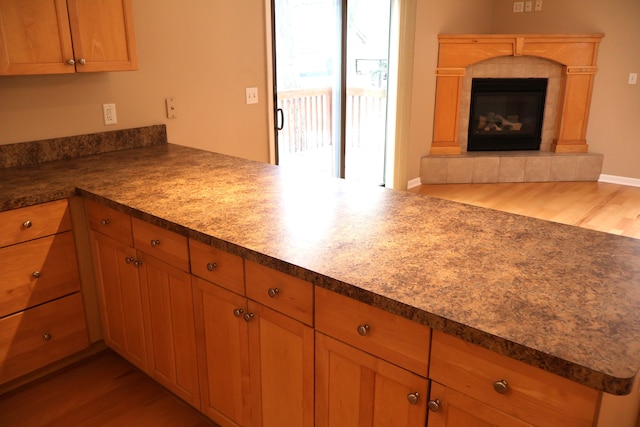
x: 434, y: 405
x: 501, y: 386
x: 413, y: 398
x: 129, y: 259
x: 105, y: 222
x: 37, y: 274
x: 155, y: 243
x: 273, y: 292
x: 27, y: 224
x: 363, y: 329
x: 46, y: 336
x: 212, y: 266
x: 238, y: 312
x: 137, y: 263
x: 248, y: 316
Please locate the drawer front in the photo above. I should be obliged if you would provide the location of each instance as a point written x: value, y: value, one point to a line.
x: 531, y: 394
x: 160, y: 243
x: 279, y: 291
x: 37, y: 271
x: 109, y: 222
x: 388, y: 336
x: 20, y: 225
x: 36, y: 337
x: 217, y: 266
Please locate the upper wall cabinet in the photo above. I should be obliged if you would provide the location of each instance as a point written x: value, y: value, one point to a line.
x: 66, y: 36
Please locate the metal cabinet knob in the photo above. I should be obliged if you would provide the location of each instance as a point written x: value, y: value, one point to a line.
x: 27, y: 224
x: 71, y: 61
x: 212, y: 266
x: 105, y: 222
x: 155, y: 243
x: 82, y: 61
x: 501, y: 386
x: 363, y: 329
x: 37, y: 274
x: 238, y: 312
x: 434, y: 405
x: 273, y: 292
x: 413, y: 398
x: 137, y: 263
x: 129, y: 260
x: 248, y: 316
x: 46, y: 336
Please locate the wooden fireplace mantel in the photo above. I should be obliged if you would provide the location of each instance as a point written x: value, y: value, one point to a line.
x: 576, y: 52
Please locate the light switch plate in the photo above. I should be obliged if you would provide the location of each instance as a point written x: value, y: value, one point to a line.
x: 633, y: 78
x: 518, y: 6
x: 172, y: 111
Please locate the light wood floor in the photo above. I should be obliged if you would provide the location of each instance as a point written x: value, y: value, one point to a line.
x: 599, y: 206
x: 103, y: 390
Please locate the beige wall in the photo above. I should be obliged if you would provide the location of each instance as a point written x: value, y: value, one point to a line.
x: 204, y: 53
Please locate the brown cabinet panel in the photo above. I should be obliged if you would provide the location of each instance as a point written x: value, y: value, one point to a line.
x: 37, y: 271
x: 161, y: 243
x: 217, y: 266
x: 109, y: 222
x: 36, y: 337
x: 32, y: 222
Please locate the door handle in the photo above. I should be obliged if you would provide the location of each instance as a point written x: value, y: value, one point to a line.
x: 280, y: 119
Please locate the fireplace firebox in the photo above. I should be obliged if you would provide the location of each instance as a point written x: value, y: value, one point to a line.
x: 506, y: 114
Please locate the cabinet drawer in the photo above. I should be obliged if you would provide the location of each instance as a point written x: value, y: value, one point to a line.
x: 37, y: 271
x: 160, y: 243
x: 388, y: 336
x: 109, y: 222
x: 217, y: 266
x: 531, y: 394
x: 36, y: 337
x: 283, y: 293
x: 20, y: 225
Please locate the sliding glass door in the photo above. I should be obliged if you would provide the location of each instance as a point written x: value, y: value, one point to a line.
x: 331, y: 62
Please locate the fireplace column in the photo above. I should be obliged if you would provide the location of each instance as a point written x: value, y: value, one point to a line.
x: 445, y: 125
x: 573, y: 110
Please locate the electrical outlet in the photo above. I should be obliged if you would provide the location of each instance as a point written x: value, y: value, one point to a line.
x: 251, y: 94
x: 518, y: 6
x: 528, y: 5
x: 109, y: 114
x: 633, y: 78
x: 538, y: 6
x: 172, y: 110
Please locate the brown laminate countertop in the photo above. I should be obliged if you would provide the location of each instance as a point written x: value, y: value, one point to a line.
x: 558, y: 297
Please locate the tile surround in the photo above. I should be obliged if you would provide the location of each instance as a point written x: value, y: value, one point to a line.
x: 516, y: 166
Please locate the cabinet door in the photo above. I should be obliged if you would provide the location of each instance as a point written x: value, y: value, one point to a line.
x: 282, y: 372
x: 34, y: 37
x: 120, y: 299
x: 103, y: 36
x: 455, y: 409
x: 354, y: 388
x: 169, y: 325
x: 223, y: 353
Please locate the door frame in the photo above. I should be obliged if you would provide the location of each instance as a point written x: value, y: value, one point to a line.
x: 401, y: 48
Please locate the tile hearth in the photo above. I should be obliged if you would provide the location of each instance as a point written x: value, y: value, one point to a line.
x: 510, y: 166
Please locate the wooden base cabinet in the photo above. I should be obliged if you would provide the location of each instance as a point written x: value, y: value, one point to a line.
x: 42, y: 316
x: 169, y: 326
x: 146, y: 300
x: 354, y: 388
x: 121, y: 299
x: 281, y: 369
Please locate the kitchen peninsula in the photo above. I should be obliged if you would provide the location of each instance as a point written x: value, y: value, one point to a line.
x: 559, y: 298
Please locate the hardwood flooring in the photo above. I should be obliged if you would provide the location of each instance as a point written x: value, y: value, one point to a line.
x: 598, y: 206
x: 103, y: 390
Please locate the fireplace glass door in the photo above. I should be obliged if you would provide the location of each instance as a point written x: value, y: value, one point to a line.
x: 506, y: 114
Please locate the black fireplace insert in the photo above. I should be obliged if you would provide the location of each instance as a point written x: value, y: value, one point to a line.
x: 506, y: 114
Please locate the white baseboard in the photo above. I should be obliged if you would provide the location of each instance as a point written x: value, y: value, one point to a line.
x: 622, y: 180
x: 415, y: 182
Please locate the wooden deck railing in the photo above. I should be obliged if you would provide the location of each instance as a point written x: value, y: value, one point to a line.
x: 308, y: 120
